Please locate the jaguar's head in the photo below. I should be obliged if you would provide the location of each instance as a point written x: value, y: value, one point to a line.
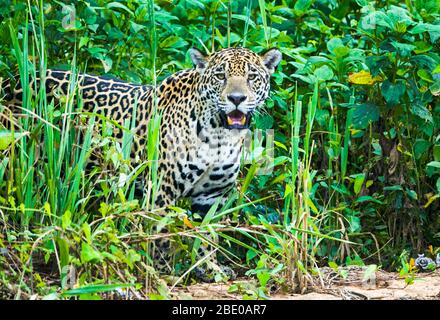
x: 235, y: 81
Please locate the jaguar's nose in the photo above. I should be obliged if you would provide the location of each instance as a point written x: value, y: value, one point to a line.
x: 236, y: 98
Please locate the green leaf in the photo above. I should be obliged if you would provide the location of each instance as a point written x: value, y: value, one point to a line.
x: 425, y: 75
x: 420, y: 147
x: 374, y: 19
x: 119, y: 5
x: 421, y: 111
x: 87, y: 232
x: 136, y: 27
x: 96, y: 288
x: 363, y: 114
x: 337, y: 47
x: 264, y: 121
x: 324, y: 73
x: 301, y: 6
x: 435, y: 164
x: 263, y: 278
x: 173, y: 42
x: 412, y: 194
x: 107, y: 63
x: 356, y: 261
x: 64, y: 252
x: 88, y: 254
x: 433, y: 30
x: 425, y: 61
x: 392, y: 92
x: 132, y: 257
x: 333, y: 265
x: 437, y: 184
x: 377, y: 63
x: 404, y: 49
x: 355, y: 223
x: 435, y: 88
x: 358, y: 181
x: 66, y: 219
x: 340, y: 188
x: 393, y: 188
x: 368, y: 198
x: 436, y: 152
x: 6, y: 138
x: 422, y: 47
x: 250, y: 254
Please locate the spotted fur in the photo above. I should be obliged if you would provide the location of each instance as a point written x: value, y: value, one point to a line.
x: 199, y: 157
x: 205, y: 111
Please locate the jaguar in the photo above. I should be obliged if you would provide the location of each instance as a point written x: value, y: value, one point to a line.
x: 205, y: 112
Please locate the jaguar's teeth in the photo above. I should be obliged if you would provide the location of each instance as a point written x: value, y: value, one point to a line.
x: 236, y: 118
x: 232, y: 121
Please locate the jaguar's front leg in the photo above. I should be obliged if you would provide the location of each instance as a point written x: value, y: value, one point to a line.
x: 164, y: 249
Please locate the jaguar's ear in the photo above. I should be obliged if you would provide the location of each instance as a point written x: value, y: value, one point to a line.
x: 271, y: 59
x: 199, y: 60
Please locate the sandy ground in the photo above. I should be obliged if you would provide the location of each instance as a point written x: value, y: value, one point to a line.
x: 381, y: 285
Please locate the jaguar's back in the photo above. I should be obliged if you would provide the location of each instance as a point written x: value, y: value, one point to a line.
x: 112, y: 98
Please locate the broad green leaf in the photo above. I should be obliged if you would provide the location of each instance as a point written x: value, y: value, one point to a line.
x: 434, y: 30
x: 355, y: 223
x: 337, y: 47
x: 118, y: 5
x: 404, y: 49
x: 250, y: 254
x: 392, y: 92
x: 264, y: 121
x: 363, y: 114
x: 301, y: 6
x: 88, y: 254
x: 376, y: 64
x: 420, y: 147
x: 436, y: 152
x: 421, y: 111
x: 66, y: 219
x: 435, y: 164
x: 6, y: 138
x: 358, y: 181
x: 424, y: 75
x: 263, y: 278
x: 324, y: 73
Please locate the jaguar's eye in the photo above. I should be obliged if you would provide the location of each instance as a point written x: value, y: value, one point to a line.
x: 220, y: 76
x: 252, y: 76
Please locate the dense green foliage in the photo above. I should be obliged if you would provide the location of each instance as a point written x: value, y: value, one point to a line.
x: 354, y: 108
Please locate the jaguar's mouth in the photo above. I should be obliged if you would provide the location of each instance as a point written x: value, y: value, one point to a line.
x: 236, y: 120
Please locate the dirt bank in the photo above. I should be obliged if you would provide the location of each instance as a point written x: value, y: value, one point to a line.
x: 381, y: 285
